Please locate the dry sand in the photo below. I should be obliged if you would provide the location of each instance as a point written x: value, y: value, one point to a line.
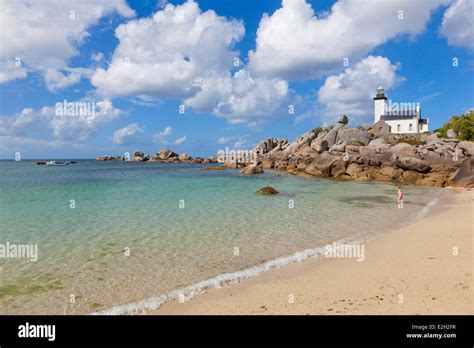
x: 414, y: 270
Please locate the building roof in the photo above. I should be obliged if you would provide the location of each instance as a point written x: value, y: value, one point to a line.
x: 399, y: 117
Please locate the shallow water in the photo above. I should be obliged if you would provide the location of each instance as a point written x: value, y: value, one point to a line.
x: 140, y: 230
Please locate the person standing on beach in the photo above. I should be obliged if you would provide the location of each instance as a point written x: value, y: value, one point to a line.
x: 399, y: 197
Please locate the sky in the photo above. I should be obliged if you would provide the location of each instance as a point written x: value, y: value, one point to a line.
x: 84, y: 78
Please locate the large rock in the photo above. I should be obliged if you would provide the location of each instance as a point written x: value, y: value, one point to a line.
x: 338, y: 147
x: 106, y: 158
x: 464, y: 177
x: 184, y: 157
x: 267, y: 190
x: 164, y: 154
x: 320, y: 145
x: 429, y: 138
x: 353, y: 136
x: 138, y: 156
x: 354, y: 169
x: 306, y: 151
x: 271, y: 144
x: 411, y: 177
x: 434, y: 179
x: 331, y: 137
x: 467, y: 147
x: 403, y: 149
x: 329, y: 164
x: 313, y: 170
x: 252, y: 169
x: 305, y: 139
x: 377, y: 142
x: 392, y: 173
x: 451, y: 133
x: 343, y: 119
x: 413, y: 164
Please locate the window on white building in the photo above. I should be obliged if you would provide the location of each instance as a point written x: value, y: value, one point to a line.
x: 399, y: 127
x: 410, y: 127
x: 420, y: 126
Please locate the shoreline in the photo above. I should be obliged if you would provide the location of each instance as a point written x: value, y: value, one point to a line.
x: 223, y: 280
x: 401, y: 274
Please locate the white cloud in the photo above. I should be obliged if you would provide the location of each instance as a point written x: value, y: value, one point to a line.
x: 74, y: 127
x: 180, y: 140
x: 44, y: 35
x: 351, y: 91
x: 295, y: 43
x: 82, y: 126
x: 240, y: 98
x: 236, y: 142
x: 126, y: 133
x: 146, y: 100
x: 10, y: 70
x: 97, y: 57
x: 458, y: 24
x: 301, y: 118
x: 223, y: 140
x: 166, y: 54
x: 183, y: 53
x: 163, y: 136
x: 168, y: 131
x: 55, y: 79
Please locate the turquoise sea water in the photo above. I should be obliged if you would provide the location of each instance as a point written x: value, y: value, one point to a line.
x: 141, y: 230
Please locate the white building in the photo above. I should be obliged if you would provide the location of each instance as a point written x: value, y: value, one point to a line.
x: 401, y: 118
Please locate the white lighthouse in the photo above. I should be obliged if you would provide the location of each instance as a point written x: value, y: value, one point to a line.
x: 379, y: 104
x: 397, y: 118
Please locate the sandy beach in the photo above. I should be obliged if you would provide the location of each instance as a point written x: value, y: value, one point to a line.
x: 424, y: 268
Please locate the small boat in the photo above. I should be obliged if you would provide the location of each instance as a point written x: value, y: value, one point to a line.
x: 41, y: 163
x: 57, y: 163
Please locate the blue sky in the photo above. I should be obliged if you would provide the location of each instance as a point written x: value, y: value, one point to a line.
x: 297, y: 51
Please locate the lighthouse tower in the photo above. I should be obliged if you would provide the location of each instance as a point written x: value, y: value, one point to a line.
x: 379, y: 104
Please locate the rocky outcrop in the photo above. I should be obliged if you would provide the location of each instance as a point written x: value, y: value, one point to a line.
x: 342, y: 152
x: 464, y: 176
x: 184, y: 157
x: 267, y: 190
x: 162, y: 156
x: 139, y: 156
x: 353, y: 136
x: 343, y: 119
x: 252, y: 169
x: 271, y: 144
x: 107, y: 158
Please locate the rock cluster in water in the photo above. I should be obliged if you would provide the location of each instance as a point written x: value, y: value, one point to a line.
x: 342, y: 152
x: 267, y: 190
x: 162, y: 156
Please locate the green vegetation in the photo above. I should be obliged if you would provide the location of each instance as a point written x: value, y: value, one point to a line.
x: 463, y: 125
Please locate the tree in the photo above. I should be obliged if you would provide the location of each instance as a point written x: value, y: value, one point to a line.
x: 463, y: 125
